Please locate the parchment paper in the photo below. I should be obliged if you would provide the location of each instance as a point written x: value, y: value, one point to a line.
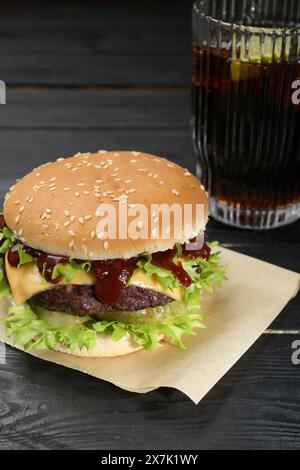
x: 238, y: 313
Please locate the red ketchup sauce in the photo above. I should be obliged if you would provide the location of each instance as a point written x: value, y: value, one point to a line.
x: 112, y: 278
x: 199, y: 250
x: 164, y: 260
x: 45, y: 262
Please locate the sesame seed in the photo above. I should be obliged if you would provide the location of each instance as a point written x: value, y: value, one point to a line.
x: 93, y: 234
x: 187, y: 173
x: 67, y: 213
x: 102, y: 151
x: 128, y: 181
x: 66, y: 189
x: 44, y: 227
x: 175, y: 192
x: 48, y: 211
x: 132, y: 190
x: 104, y: 194
x: 20, y: 232
x: 161, y: 182
x: 118, y: 179
x: 48, y: 216
x: 30, y: 200
x: 116, y: 169
x: 17, y: 219
x: 71, y: 244
x: 106, y: 245
x: 81, y: 220
x: 88, y: 217
x: 38, y: 174
x: 66, y: 224
x: 60, y: 159
x: 136, y: 154
x: 150, y: 174
x: 17, y: 203
x: 116, y: 154
x: 81, y: 184
x: 21, y: 209
x: 99, y: 181
x: 97, y: 195
x: 101, y: 235
x: 133, y: 161
x: 73, y: 218
x: 52, y: 179
x: 77, y: 194
x: 88, y: 164
x: 142, y: 170
x: 86, y: 193
x: 72, y: 233
x: 170, y: 165
x: 56, y: 226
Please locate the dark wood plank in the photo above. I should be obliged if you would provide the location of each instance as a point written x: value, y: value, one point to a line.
x: 96, y: 109
x: 114, y: 43
x: 255, y: 406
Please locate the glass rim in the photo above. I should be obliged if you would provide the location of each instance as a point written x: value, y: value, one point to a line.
x: 263, y: 30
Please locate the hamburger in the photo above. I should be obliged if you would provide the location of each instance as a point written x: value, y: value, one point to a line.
x: 94, y: 261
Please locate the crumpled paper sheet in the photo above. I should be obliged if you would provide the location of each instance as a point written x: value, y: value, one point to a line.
x: 238, y: 313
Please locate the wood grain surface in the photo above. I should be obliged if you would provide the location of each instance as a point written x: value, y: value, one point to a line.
x: 115, y: 75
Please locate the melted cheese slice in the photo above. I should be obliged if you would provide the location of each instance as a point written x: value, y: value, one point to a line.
x: 26, y: 281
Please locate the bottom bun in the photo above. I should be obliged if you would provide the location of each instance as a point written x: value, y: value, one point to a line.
x: 105, y: 347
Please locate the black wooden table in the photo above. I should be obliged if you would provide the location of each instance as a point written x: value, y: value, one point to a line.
x: 116, y: 75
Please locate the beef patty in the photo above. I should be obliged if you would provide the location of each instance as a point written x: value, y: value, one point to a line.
x: 81, y: 300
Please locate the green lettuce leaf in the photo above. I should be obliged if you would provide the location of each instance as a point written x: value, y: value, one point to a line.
x: 4, y: 287
x: 69, y: 270
x: 29, y: 331
x: 166, y: 278
x: 6, y: 240
x: 204, y: 274
x: 24, y: 257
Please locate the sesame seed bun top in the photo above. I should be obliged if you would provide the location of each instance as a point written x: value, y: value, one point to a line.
x: 55, y: 208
